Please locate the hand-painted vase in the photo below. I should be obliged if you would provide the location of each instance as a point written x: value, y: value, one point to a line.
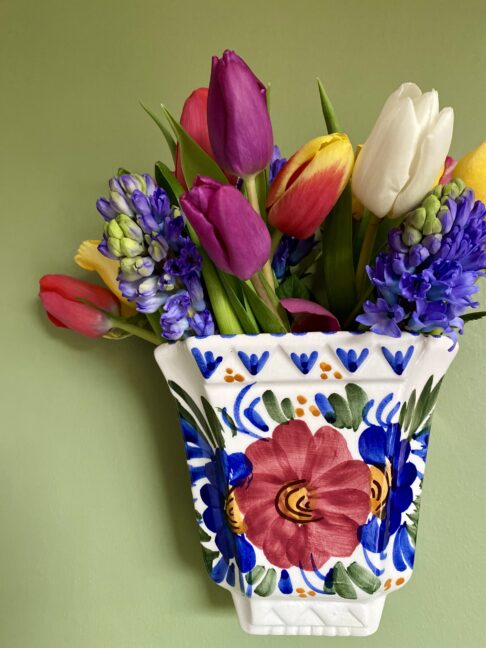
x: 306, y: 455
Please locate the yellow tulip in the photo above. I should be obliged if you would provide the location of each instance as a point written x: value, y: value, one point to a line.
x: 90, y: 258
x: 472, y: 169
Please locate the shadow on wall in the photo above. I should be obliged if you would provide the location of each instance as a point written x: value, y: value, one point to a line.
x: 161, y: 423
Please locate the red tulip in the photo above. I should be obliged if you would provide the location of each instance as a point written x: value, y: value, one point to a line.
x: 194, y: 119
x: 59, y: 295
x: 309, y: 185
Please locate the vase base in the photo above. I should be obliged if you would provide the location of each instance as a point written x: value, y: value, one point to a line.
x: 309, y: 617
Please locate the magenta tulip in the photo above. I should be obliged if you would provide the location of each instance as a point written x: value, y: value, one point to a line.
x: 309, y: 316
x: 230, y: 230
x: 60, y: 296
x: 239, y: 125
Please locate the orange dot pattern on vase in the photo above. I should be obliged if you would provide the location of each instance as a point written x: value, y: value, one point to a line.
x: 325, y: 368
x: 299, y: 411
x: 387, y: 584
x: 303, y: 594
x: 232, y: 377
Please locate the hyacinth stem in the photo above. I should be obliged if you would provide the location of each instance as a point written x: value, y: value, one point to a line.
x: 154, y: 321
x: 251, y: 190
x: 366, y: 251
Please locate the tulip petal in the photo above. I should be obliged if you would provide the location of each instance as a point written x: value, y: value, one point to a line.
x: 427, y: 164
x: 72, y: 289
x: 380, y: 173
x: 309, y: 316
x: 472, y: 169
x: 308, y: 186
x: 74, y: 315
x: 90, y: 258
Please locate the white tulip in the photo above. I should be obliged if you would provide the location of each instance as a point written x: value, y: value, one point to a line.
x: 404, y: 152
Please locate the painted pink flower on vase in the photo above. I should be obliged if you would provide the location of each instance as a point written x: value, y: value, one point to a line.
x: 307, y: 496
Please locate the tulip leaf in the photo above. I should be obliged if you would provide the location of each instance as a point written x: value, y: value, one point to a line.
x: 167, y: 180
x: 268, y: 321
x: 247, y: 321
x: 194, y: 161
x: 470, y: 317
x: 336, y: 267
x: 293, y: 287
x: 328, y: 110
x: 165, y: 131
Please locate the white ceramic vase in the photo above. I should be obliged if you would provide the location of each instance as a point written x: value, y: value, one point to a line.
x: 306, y: 454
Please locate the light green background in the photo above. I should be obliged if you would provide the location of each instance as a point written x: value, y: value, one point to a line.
x: 98, y: 547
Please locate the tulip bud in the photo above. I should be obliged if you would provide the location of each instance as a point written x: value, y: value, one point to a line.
x: 239, y: 125
x: 309, y: 184
x: 194, y: 119
x: 230, y: 230
x: 60, y: 296
x: 405, y: 152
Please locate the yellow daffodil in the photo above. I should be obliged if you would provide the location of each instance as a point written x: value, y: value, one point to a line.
x: 90, y: 258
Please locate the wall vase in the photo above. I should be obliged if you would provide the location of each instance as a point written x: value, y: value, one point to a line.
x: 306, y: 455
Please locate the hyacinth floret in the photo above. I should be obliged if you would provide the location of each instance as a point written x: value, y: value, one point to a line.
x: 160, y: 267
x: 427, y: 278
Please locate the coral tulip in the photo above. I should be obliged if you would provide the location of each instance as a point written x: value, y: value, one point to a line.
x: 308, y: 186
x: 60, y: 296
x: 404, y: 153
x: 194, y: 119
x: 240, y: 130
x: 230, y: 230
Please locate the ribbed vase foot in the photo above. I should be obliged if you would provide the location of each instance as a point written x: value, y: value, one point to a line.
x: 309, y: 617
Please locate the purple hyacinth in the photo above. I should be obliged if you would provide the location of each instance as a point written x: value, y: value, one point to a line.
x: 431, y: 267
x: 160, y: 267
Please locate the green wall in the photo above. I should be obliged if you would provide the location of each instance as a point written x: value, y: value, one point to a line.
x: 98, y: 547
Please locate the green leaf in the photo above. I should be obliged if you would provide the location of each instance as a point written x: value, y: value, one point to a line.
x: 470, y: 317
x: 403, y: 414
x: 336, y: 267
x: 344, y: 418
x: 261, y: 182
x: 268, y: 583
x: 209, y: 557
x: 245, y: 317
x: 165, y: 131
x: 272, y: 406
x: 122, y: 171
x: 194, y: 160
x: 203, y: 536
x: 268, y: 321
x: 214, y: 422
x: 359, y: 235
x: 255, y: 575
x: 183, y: 413
x: 363, y: 578
x: 412, y: 528
x: 342, y: 582
x: 357, y: 400
x: 421, y: 408
x: 192, y: 406
x: 328, y: 110
x: 287, y: 408
x: 229, y: 421
x: 293, y: 287
x: 410, y: 405
x: 167, y: 180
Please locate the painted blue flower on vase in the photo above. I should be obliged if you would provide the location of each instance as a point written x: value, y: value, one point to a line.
x: 398, y: 361
x: 222, y: 515
x: 350, y: 359
x: 392, y: 477
x: 207, y: 363
x: 253, y: 363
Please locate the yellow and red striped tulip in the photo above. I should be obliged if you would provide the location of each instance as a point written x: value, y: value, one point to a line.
x: 309, y: 185
x: 472, y: 169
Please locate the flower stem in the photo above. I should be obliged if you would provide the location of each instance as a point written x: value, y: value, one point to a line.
x: 251, y: 190
x: 154, y: 321
x: 148, y: 336
x: 366, y: 251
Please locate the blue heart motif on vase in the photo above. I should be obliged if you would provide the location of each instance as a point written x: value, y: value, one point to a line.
x: 207, y: 363
x: 397, y: 361
x: 350, y: 359
x: 304, y: 362
x: 252, y: 362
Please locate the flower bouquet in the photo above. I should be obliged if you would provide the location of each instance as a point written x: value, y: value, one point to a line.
x: 304, y: 313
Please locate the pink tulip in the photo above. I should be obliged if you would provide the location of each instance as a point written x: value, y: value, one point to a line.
x: 309, y: 316
x: 60, y: 296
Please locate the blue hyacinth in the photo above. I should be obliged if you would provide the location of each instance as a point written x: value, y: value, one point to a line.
x: 427, y: 278
x: 160, y: 267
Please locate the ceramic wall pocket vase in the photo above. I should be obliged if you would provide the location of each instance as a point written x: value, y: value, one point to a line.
x: 306, y: 455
